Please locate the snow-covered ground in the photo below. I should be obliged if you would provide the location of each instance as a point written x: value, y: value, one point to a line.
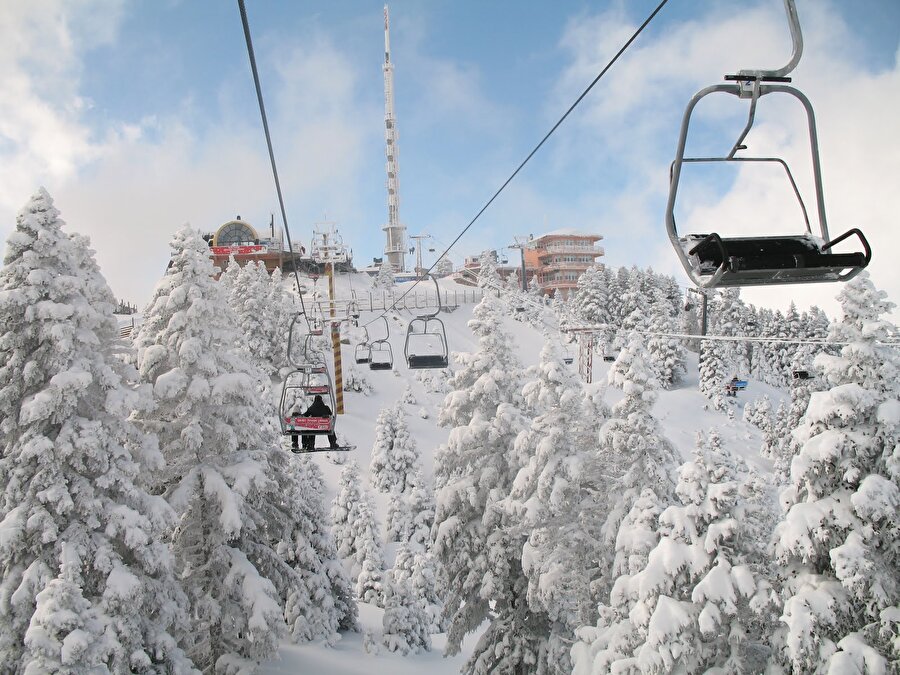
x: 682, y: 411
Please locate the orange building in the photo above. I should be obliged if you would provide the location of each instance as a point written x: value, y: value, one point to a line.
x: 559, y: 258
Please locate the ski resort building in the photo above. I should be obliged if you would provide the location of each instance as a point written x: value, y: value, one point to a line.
x: 240, y: 239
x: 559, y: 258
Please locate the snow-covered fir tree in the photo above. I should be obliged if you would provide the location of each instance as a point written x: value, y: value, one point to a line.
x: 405, y: 623
x: 838, y: 539
x: 349, y: 509
x: 667, y: 355
x: 323, y: 603
x: 474, y: 471
x: 694, y: 602
x: 547, y: 503
x: 384, y: 280
x: 355, y: 380
x: 395, y: 456
x: 636, y: 452
x: 216, y: 432
x: 591, y: 301
x: 87, y: 584
x: 370, y: 581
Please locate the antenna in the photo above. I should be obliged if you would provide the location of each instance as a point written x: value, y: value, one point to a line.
x: 395, y: 243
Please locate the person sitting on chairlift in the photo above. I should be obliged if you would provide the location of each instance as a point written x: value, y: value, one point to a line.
x: 318, y: 408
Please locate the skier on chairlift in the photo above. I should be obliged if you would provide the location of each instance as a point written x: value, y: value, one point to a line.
x: 318, y: 408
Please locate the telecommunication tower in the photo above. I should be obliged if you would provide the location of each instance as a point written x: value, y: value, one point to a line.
x: 395, y: 244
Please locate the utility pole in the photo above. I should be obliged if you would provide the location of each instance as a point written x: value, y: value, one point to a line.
x: 703, y: 300
x: 328, y: 249
x: 420, y: 268
x: 522, y: 244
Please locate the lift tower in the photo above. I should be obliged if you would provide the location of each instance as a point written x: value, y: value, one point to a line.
x: 395, y: 244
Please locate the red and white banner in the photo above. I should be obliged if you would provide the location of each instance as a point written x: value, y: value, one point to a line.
x: 308, y: 423
x: 253, y: 249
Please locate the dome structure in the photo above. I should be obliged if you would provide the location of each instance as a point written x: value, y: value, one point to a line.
x: 235, y: 232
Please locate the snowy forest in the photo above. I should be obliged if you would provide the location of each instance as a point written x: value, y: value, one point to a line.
x: 153, y: 519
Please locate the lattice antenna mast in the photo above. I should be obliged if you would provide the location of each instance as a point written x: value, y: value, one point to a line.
x: 395, y: 244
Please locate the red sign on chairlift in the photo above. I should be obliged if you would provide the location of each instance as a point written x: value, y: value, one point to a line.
x: 317, y: 389
x: 308, y: 423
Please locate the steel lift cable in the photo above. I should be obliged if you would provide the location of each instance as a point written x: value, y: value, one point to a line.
x: 265, y: 123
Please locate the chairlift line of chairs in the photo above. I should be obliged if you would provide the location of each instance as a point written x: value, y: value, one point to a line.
x: 712, y: 260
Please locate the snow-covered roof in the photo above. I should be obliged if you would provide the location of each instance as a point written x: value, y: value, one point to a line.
x: 568, y: 232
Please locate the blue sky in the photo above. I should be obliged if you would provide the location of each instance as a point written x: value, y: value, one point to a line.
x: 141, y: 116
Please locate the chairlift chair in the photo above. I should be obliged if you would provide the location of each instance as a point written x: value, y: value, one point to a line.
x: 298, y: 392
x: 712, y: 260
x: 381, y: 356
x: 802, y: 375
x: 299, y: 351
x: 426, y: 339
x: 363, y: 353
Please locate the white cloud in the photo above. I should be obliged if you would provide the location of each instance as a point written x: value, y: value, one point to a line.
x: 133, y: 188
x: 42, y: 136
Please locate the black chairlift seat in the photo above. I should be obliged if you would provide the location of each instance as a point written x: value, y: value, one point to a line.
x: 420, y: 361
x: 380, y: 365
x: 750, y: 261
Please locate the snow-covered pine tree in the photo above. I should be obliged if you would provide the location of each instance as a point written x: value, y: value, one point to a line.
x: 548, y: 502
x: 395, y: 457
x: 591, y: 302
x: 634, y: 449
x: 370, y: 557
x: 216, y: 434
x: 487, y: 270
x: 81, y: 555
x: 322, y: 603
x: 694, y: 603
x: 838, y: 539
x: 345, y: 515
x: 667, y: 355
x: 405, y: 623
x: 384, y: 280
x: 474, y: 471
x: 414, y: 563
x: 355, y: 380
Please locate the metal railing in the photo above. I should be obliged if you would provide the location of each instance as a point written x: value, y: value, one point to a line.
x: 379, y: 301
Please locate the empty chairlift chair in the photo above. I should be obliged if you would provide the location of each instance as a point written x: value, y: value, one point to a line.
x: 363, y: 353
x: 713, y: 260
x: 426, y: 340
x: 381, y: 356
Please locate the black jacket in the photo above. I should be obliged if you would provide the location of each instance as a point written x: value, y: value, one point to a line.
x: 318, y: 409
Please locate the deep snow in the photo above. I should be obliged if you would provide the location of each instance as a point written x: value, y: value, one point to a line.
x: 682, y: 412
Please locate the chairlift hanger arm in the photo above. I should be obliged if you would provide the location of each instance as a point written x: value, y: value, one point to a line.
x: 790, y: 9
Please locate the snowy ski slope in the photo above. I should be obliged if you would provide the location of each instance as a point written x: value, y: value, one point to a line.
x: 681, y: 412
